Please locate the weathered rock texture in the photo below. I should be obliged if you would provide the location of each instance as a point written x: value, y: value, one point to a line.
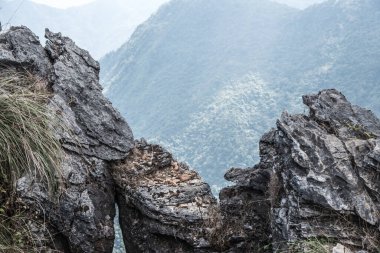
x: 317, y: 185
x: 93, y: 134
x: 245, y: 211
x: 318, y: 181
x: 320, y: 174
x: 165, y: 206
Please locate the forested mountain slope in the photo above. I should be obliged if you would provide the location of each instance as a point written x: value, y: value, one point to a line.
x: 208, y: 77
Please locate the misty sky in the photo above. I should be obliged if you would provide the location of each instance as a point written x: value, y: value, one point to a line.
x: 68, y: 3
x: 63, y: 3
x: 301, y: 4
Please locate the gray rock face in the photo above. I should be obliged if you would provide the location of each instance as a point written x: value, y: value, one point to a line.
x: 320, y: 174
x: 318, y: 181
x: 20, y: 47
x: 244, y: 208
x: 101, y: 131
x: 165, y: 207
x: 93, y: 134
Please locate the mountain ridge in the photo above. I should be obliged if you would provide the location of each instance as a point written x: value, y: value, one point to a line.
x: 173, y: 68
x: 112, y: 24
x: 319, y: 168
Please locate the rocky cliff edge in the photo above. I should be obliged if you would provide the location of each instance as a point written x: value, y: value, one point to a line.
x: 317, y: 185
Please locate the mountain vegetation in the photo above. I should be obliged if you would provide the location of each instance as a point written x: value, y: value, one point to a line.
x: 206, y: 78
x: 315, y: 189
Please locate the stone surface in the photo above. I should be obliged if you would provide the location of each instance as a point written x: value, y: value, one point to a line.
x: 164, y: 206
x: 318, y: 181
x: 339, y: 248
x: 100, y: 130
x: 92, y: 133
x: 20, y: 47
x: 323, y: 176
x: 244, y: 209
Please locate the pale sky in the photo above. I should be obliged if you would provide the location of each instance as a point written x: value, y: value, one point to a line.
x: 301, y: 4
x: 68, y: 3
x: 63, y: 3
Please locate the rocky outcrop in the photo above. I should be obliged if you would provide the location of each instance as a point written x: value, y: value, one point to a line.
x: 165, y: 206
x: 317, y: 185
x: 320, y: 174
x: 316, y: 189
x: 245, y: 208
x: 93, y: 134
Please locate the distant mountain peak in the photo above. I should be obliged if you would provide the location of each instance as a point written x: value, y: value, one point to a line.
x: 352, y: 4
x: 177, y: 70
x: 99, y: 27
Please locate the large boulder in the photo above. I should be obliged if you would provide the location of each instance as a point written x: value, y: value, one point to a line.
x: 320, y: 175
x: 92, y: 133
x: 164, y: 206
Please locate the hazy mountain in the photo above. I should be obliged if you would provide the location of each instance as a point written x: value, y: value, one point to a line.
x: 100, y: 26
x: 178, y: 60
x: 301, y: 4
x: 334, y: 44
x: 206, y: 78
x: 193, y: 47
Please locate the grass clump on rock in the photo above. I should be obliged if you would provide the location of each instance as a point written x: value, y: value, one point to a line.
x: 27, y: 143
x: 29, y: 147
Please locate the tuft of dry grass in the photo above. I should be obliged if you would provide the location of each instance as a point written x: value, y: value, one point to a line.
x: 312, y: 245
x: 27, y: 147
x: 27, y: 143
x: 22, y: 231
